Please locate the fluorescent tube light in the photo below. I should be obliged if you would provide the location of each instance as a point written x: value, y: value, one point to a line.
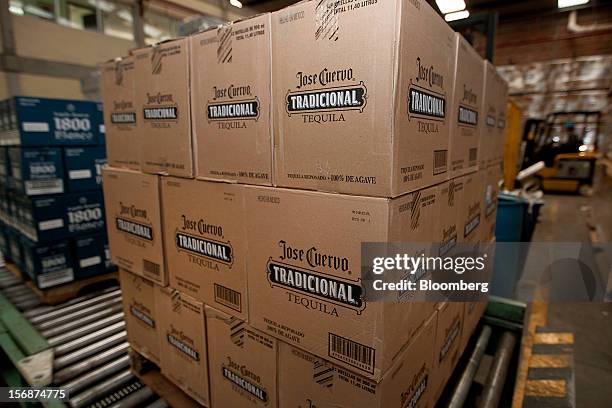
x: 458, y: 15
x: 449, y: 6
x: 570, y: 3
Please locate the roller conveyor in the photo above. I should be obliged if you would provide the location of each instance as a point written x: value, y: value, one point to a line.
x: 90, y: 350
x: 113, y: 353
x: 78, y: 323
x: 81, y: 330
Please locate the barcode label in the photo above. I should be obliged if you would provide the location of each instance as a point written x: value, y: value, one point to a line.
x: 35, y: 127
x: 79, y: 174
x: 352, y: 353
x: 473, y: 155
x: 38, y: 187
x: 51, y: 224
x: 91, y: 261
x: 228, y: 297
x: 151, y: 268
x: 440, y: 161
x: 47, y: 280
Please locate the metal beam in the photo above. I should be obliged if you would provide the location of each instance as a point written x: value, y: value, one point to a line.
x: 8, y: 45
x: 6, y: 25
x: 138, y: 23
x: 35, y: 66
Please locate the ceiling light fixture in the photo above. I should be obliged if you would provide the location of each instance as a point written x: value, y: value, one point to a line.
x: 449, y: 6
x: 570, y: 3
x: 236, y: 3
x: 459, y: 15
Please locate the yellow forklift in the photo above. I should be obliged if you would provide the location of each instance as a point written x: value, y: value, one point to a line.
x: 567, y: 144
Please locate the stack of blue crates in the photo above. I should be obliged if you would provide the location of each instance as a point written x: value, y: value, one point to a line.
x: 52, y: 223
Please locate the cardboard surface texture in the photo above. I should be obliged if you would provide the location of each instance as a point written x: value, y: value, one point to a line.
x: 488, y: 124
x: 466, y: 104
x: 491, y: 177
x: 140, y: 302
x: 470, y: 207
x: 342, y: 126
x: 206, y: 242
x: 183, y: 343
x: 502, y: 108
x: 447, y: 343
x: 122, y: 118
x: 242, y: 363
x: 231, y: 95
x: 449, y: 210
x: 84, y: 168
x: 162, y: 100
x: 134, y: 222
x: 306, y: 380
x: 37, y: 170
x: 300, y: 236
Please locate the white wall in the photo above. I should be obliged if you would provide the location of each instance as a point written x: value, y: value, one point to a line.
x: 40, y: 39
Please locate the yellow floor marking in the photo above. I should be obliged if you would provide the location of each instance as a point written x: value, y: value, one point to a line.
x: 537, y: 316
x: 549, y: 361
x: 546, y: 388
x: 554, y: 338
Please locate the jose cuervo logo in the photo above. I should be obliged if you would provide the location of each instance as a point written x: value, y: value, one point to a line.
x: 313, y: 283
x: 423, y: 101
x: 326, y: 98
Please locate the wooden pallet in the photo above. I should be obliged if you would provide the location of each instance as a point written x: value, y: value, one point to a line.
x: 150, y: 375
x: 11, y: 267
x: 63, y: 293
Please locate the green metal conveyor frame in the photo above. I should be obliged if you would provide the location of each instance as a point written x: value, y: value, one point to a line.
x: 30, y: 355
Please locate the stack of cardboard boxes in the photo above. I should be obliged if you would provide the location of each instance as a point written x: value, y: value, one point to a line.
x: 257, y: 158
x: 52, y: 212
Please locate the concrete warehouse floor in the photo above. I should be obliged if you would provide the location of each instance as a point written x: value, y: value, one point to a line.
x: 566, y: 218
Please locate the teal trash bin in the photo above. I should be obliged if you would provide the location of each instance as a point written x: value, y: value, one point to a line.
x: 510, y: 218
x: 509, y: 258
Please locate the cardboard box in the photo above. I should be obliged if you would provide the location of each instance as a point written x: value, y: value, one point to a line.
x: 140, y: 303
x: 135, y: 227
x: 91, y: 255
x: 3, y: 116
x: 242, y: 363
x: 466, y: 104
x: 13, y: 208
x: 502, y: 109
x: 52, y: 122
x: 162, y: 97
x: 37, y: 171
x: 15, y: 252
x: 5, y: 167
x: 447, y: 344
x: 121, y: 116
x: 48, y: 264
x: 470, y: 208
x: 84, y: 168
x: 231, y: 94
x: 5, y: 206
x: 449, y: 210
x: 206, y: 242
x: 488, y: 124
x: 296, y: 235
x: 472, y: 313
x: 491, y: 176
x: 84, y: 212
x: 41, y: 219
x: 306, y: 380
x: 340, y: 125
x: 3, y: 240
x: 183, y: 343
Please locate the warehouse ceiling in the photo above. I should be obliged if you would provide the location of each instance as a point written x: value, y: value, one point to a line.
x: 505, y: 8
